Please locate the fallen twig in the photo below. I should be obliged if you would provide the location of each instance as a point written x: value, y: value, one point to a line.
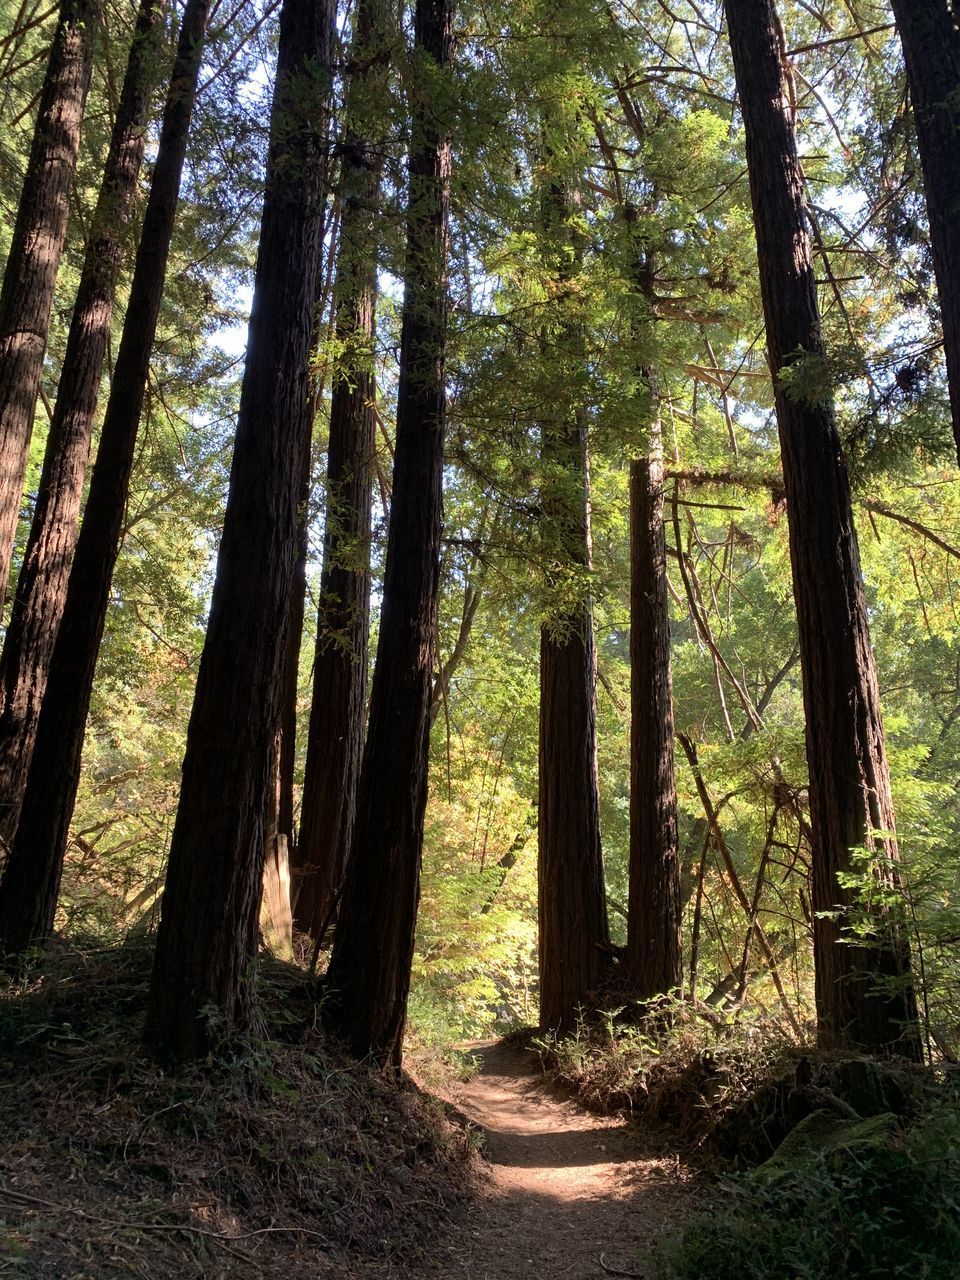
x: 117, y: 1224
x: 612, y: 1271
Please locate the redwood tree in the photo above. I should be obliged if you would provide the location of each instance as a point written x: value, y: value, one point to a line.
x: 42, y: 584
x: 208, y: 925
x: 26, y: 298
x: 369, y: 974
x: 337, y: 712
x: 931, y: 49
x: 280, y: 832
x: 654, y: 955
x: 28, y: 891
x: 864, y: 991
x: 572, y: 909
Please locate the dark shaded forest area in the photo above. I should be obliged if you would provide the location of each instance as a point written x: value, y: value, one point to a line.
x: 479, y: 523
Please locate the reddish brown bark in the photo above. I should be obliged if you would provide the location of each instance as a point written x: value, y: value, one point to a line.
x: 207, y: 938
x: 369, y: 974
x: 28, y: 891
x: 337, y: 712
x: 571, y: 914
x: 280, y: 843
x: 931, y: 49
x: 42, y: 583
x: 572, y: 909
x: 654, y: 955
x: 865, y: 995
x: 26, y: 298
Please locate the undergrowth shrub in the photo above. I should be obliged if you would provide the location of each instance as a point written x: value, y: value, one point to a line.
x: 861, y: 1158
x: 678, y: 1064
x: 876, y: 1200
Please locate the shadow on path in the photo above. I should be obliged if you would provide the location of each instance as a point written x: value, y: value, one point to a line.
x: 570, y: 1194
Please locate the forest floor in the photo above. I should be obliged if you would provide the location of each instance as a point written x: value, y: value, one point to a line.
x: 567, y: 1193
x: 283, y: 1157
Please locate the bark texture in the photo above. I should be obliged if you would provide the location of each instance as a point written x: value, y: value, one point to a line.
x: 280, y: 836
x: 571, y: 913
x: 337, y: 712
x: 654, y: 955
x: 369, y: 974
x: 42, y: 583
x: 28, y: 891
x: 931, y: 50
x: 206, y: 943
x: 865, y: 995
x: 572, y: 909
x: 26, y: 298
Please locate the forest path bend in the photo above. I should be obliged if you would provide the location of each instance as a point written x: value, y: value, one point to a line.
x: 570, y: 1194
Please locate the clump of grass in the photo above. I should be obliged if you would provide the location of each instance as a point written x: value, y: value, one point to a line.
x: 672, y: 1064
x: 730, y: 1087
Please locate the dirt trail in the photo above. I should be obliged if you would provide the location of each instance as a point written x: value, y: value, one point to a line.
x: 571, y: 1194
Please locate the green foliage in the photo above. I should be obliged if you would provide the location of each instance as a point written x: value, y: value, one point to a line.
x: 631, y: 109
x: 475, y: 964
x: 692, y: 1068
x: 864, y: 1199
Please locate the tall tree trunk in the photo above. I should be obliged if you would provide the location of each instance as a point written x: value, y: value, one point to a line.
x: 572, y: 911
x: 865, y: 995
x: 28, y: 891
x: 280, y: 842
x: 572, y: 905
x: 369, y: 973
x: 654, y: 955
x: 207, y: 937
x: 931, y: 49
x: 26, y: 299
x: 42, y: 584
x: 337, y: 711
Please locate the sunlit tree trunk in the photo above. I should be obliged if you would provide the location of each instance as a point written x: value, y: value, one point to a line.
x: 26, y: 298
x: 208, y: 924
x: 42, y: 584
x: 931, y: 49
x: 28, y: 891
x: 280, y: 842
x: 865, y: 995
x: 572, y: 914
x: 369, y: 973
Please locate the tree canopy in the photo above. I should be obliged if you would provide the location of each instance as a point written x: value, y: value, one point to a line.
x: 594, y: 253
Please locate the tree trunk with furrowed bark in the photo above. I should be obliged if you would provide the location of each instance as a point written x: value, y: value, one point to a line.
x: 42, y: 584
x: 26, y: 298
x: 338, y: 706
x: 572, y: 907
x: 206, y: 944
x: 368, y: 979
x: 865, y: 994
x: 931, y: 49
x: 31, y: 881
x: 654, y: 956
